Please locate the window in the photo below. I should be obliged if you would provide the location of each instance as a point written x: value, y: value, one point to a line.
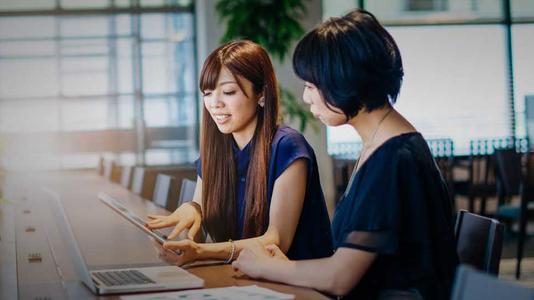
x: 425, y: 5
x: 96, y: 72
x: 456, y: 82
x: 523, y: 47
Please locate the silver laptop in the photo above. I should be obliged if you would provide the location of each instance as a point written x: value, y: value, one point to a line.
x: 124, y: 280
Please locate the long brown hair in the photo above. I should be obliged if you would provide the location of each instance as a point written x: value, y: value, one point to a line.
x: 219, y: 175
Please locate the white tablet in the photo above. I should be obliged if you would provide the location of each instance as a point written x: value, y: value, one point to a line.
x: 130, y: 216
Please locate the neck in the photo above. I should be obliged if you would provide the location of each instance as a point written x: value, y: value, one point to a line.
x: 366, y: 123
x: 243, y: 137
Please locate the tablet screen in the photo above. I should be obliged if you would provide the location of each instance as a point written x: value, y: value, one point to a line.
x: 130, y: 216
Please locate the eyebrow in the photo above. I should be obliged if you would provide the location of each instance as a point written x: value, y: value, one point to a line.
x: 226, y: 82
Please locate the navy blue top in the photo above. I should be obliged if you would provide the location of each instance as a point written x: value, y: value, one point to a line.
x: 313, y: 237
x: 397, y: 206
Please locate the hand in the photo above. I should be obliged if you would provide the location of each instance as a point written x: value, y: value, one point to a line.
x: 168, y: 256
x: 184, y: 217
x: 276, y: 252
x: 189, y: 249
x: 252, y: 259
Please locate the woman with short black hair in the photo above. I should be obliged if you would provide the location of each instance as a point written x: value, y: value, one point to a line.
x: 393, y: 226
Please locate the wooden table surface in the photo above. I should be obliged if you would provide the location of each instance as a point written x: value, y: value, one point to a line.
x: 106, y: 239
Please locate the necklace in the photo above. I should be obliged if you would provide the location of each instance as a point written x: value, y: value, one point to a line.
x: 371, y: 141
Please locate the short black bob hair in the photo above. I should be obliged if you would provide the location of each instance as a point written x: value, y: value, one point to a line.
x: 353, y: 61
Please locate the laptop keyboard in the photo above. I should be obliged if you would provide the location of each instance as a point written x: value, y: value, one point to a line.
x: 126, y: 277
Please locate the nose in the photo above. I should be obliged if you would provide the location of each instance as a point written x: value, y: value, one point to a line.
x: 214, y: 102
x: 305, y: 98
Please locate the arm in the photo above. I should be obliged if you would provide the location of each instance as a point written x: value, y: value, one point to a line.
x: 197, y: 194
x: 284, y: 213
x: 187, y: 216
x: 335, y: 275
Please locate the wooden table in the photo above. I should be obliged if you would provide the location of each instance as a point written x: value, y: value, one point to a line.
x: 106, y: 240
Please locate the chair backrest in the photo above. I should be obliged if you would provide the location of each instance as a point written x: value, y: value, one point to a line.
x: 100, y: 167
x: 126, y: 176
x: 186, y: 191
x: 116, y: 173
x: 162, y: 189
x: 479, y: 241
x: 472, y: 284
x: 509, y: 171
x: 137, y: 180
x: 108, y: 168
x: 482, y: 170
x: 342, y: 172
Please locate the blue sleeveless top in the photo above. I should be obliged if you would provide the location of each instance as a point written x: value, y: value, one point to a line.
x: 313, y: 237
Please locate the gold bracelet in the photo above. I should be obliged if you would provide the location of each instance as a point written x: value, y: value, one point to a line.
x: 232, y: 253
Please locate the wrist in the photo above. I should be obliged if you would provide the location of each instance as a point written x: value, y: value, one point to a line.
x: 200, y: 251
x: 233, y: 252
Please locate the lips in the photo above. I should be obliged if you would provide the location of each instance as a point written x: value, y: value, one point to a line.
x: 221, y: 118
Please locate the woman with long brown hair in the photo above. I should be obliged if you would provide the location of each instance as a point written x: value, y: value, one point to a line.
x: 257, y: 180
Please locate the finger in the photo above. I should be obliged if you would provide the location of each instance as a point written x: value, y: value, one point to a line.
x: 177, y: 230
x: 160, y: 224
x: 180, y: 245
x: 155, y: 216
x: 273, y: 249
x: 193, y: 230
x: 155, y: 220
x: 151, y: 224
x: 236, y: 265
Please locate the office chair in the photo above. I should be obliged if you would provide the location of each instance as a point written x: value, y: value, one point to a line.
x: 472, y: 284
x: 479, y: 241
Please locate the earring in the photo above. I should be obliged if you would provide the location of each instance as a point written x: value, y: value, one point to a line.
x: 261, y: 102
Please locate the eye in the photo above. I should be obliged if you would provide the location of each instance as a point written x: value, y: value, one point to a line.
x: 206, y: 93
x: 229, y: 93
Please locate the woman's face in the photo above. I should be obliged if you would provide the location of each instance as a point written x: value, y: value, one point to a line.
x: 313, y: 97
x: 230, y: 107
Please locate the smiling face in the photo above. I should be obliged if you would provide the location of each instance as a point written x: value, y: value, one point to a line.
x: 319, y: 109
x: 232, y: 108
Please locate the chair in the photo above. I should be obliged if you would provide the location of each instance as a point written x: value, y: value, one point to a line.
x: 144, y: 180
x: 342, y: 172
x: 137, y: 180
x: 513, y: 181
x: 510, y: 184
x: 479, y: 241
x: 165, y: 191
x: 481, y: 183
x: 100, y: 167
x: 116, y: 173
x: 126, y: 176
x: 443, y: 153
x: 186, y: 191
x: 472, y: 284
x: 108, y: 168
